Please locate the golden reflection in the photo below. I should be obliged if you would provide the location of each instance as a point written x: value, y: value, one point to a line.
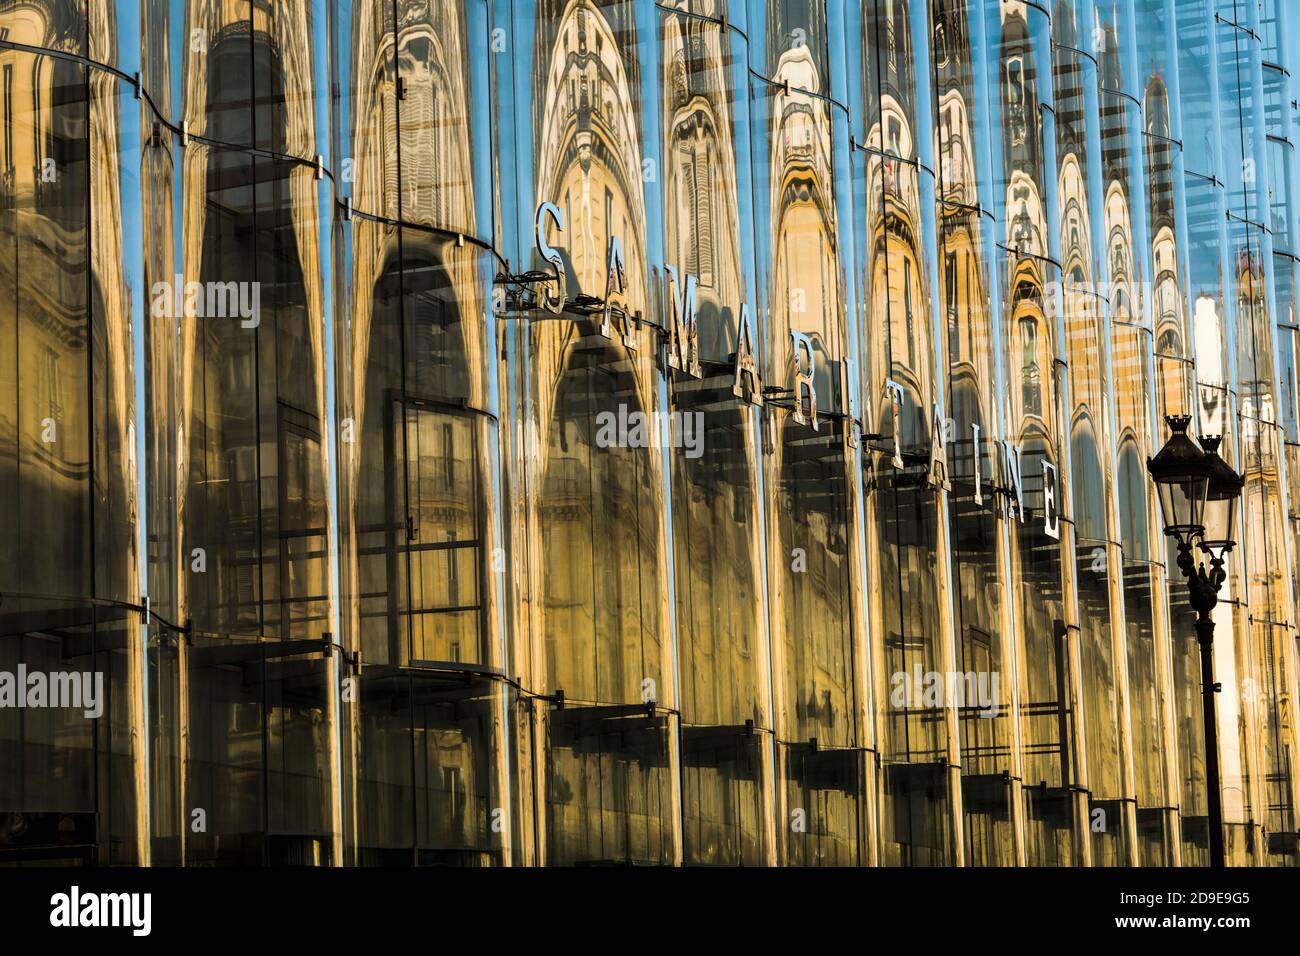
x: 433, y: 64
x: 810, y: 567
x: 370, y: 143
x: 989, y: 760
x: 599, y: 600
x: 588, y: 127
x: 722, y: 647
x: 702, y: 223
x: 718, y: 687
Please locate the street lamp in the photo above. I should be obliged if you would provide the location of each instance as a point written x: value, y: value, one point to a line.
x: 1198, y: 493
x: 1220, y: 516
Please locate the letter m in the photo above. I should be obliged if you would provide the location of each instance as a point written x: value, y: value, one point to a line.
x: 116, y: 909
x: 223, y: 300
x: 65, y: 689
x: 683, y: 332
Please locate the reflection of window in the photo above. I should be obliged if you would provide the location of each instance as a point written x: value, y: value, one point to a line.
x: 440, y: 555
x: 977, y: 658
x: 680, y: 88
x: 1122, y: 311
x: 697, y: 199
x: 1016, y: 100
x: 1030, y: 380
x: 303, y: 570
x: 37, y: 125
x: 696, y: 78
x: 907, y: 311
x: 1167, y: 302
x: 52, y: 402
x: 448, y: 458
x: 453, y: 577
x: 1022, y: 229
x: 609, y: 219
x: 243, y: 473
x: 891, y: 40
x: 950, y: 283
x: 9, y: 117
x: 451, y: 786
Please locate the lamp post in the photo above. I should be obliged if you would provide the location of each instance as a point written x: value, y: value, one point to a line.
x: 1198, y: 494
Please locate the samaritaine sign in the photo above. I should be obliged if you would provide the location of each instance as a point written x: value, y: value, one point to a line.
x: 683, y: 355
x: 683, y: 332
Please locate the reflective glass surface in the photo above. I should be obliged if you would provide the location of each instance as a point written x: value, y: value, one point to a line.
x: 589, y: 432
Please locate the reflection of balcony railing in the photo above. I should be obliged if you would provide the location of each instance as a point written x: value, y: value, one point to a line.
x: 565, y: 478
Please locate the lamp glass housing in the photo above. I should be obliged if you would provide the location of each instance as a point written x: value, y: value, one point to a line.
x: 1220, y: 518
x: 1220, y: 523
x: 1182, y: 505
x: 1182, y: 473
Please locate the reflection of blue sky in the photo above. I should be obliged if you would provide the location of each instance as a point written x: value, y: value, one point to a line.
x: 746, y: 194
x: 327, y: 142
x: 342, y: 62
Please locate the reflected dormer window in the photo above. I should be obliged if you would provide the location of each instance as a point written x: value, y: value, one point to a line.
x: 697, y: 186
x: 1016, y: 100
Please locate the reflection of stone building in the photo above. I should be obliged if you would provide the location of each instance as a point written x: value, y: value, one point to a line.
x: 374, y: 582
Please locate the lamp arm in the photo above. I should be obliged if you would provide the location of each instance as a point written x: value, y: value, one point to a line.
x: 1217, y: 573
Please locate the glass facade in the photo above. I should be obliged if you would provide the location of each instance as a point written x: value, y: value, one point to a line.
x: 703, y: 432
